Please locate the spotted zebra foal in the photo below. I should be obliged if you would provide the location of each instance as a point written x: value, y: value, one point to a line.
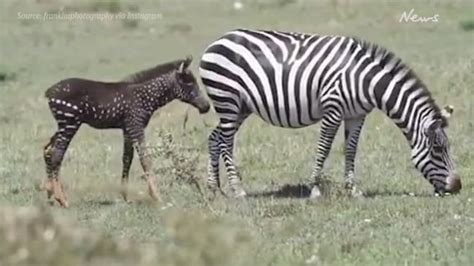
x: 127, y: 105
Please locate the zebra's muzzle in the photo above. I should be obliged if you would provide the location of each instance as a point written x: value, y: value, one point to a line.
x: 454, y: 184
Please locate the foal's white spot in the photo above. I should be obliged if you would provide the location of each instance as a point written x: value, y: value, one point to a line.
x: 68, y: 115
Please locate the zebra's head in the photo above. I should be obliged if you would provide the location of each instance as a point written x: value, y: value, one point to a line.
x: 433, y: 158
x: 187, y: 88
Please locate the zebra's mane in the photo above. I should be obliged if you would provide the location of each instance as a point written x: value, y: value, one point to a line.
x: 153, y: 72
x: 385, y: 56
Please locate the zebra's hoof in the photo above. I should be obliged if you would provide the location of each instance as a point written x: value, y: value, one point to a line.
x: 354, y: 192
x: 214, y: 191
x: 357, y: 193
x: 315, y: 193
x: 212, y: 196
x: 240, y: 194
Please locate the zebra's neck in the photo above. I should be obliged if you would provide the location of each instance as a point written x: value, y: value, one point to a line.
x: 407, y: 103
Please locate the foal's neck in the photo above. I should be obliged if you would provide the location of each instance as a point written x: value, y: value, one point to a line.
x: 156, y: 92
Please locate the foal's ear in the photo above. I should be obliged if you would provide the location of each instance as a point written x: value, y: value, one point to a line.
x: 188, y: 60
x: 185, y: 64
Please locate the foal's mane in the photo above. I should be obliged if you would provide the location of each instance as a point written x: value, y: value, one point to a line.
x: 153, y: 72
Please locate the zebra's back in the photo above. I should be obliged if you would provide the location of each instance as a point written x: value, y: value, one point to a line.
x: 279, y: 76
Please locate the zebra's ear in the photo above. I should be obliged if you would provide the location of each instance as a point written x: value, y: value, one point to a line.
x: 447, y: 111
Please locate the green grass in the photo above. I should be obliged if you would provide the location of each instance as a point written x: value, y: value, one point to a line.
x: 389, y: 227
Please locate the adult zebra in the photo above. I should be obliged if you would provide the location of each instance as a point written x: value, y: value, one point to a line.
x: 295, y: 80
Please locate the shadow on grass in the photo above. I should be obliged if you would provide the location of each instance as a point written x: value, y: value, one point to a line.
x: 108, y: 203
x: 386, y: 193
x: 286, y: 191
x: 300, y: 191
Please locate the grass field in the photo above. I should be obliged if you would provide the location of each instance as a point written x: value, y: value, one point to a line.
x: 399, y: 222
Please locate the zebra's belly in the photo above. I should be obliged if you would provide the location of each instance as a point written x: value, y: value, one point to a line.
x: 292, y: 117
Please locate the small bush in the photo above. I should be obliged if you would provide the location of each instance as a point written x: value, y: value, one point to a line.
x: 179, y: 28
x: 180, y: 161
x: 112, y: 6
x: 467, y: 25
x: 130, y: 23
x: 6, y: 75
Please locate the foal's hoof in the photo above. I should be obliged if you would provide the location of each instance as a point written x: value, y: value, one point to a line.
x: 315, y: 193
x: 153, y: 194
x: 62, y: 202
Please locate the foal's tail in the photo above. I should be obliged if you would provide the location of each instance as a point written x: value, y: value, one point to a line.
x: 52, y: 91
x: 64, y: 88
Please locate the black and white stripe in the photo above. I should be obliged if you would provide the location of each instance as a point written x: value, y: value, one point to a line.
x: 294, y: 80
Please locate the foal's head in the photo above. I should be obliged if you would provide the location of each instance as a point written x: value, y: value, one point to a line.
x: 187, y: 89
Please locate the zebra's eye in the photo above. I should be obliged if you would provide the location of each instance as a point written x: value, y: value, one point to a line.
x: 437, y: 148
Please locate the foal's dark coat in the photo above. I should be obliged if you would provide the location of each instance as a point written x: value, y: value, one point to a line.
x: 126, y: 105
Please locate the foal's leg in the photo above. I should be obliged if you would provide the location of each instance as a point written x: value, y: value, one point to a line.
x: 352, y: 132
x: 53, y: 156
x: 127, y: 159
x: 146, y: 163
x: 134, y: 129
x: 329, y: 126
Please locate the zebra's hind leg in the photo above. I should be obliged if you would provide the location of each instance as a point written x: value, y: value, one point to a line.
x: 329, y: 126
x: 352, y: 129
x: 213, y: 180
x: 227, y: 152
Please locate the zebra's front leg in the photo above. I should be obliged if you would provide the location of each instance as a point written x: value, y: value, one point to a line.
x: 213, y: 180
x: 329, y: 126
x: 352, y: 129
